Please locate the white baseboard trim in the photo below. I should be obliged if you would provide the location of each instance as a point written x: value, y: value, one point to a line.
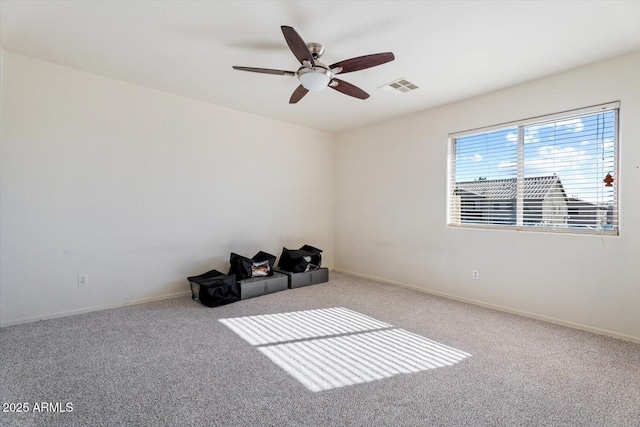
x: 157, y: 298
x: 498, y: 307
x: 92, y: 309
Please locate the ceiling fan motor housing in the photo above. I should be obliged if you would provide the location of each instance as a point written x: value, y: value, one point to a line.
x: 316, y: 50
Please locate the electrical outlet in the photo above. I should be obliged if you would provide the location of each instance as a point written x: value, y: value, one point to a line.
x: 475, y: 274
x: 83, y: 279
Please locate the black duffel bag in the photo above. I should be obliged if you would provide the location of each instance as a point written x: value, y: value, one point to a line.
x: 306, y: 258
x: 214, y: 288
x: 260, y: 265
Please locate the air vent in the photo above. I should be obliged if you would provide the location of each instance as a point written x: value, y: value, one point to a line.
x: 398, y: 86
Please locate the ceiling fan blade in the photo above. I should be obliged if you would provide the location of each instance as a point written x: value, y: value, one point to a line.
x: 363, y: 62
x: 265, y: 71
x: 348, y: 89
x: 298, y: 94
x: 297, y: 45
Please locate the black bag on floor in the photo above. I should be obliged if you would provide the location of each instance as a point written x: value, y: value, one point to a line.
x: 306, y: 258
x: 260, y: 265
x: 214, y: 288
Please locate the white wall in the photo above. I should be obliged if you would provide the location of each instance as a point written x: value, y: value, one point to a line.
x: 391, y: 210
x: 139, y: 189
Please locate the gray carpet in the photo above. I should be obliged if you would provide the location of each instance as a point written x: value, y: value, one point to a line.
x: 173, y: 363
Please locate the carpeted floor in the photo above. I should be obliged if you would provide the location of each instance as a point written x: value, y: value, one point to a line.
x: 174, y: 363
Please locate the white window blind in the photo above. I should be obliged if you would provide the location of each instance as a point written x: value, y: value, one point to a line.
x: 557, y: 173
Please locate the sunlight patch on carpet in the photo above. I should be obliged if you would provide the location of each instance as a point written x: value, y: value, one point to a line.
x: 295, y: 325
x: 329, y: 348
x: 326, y: 363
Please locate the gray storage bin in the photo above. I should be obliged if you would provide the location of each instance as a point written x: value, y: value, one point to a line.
x: 258, y: 286
x: 298, y: 280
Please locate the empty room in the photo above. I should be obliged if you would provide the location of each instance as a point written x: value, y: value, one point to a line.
x: 319, y: 213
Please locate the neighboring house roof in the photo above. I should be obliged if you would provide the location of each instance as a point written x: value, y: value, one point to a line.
x: 535, y: 187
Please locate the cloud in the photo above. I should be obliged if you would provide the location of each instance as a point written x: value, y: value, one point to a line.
x: 507, y: 165
x: 576, y: 124
x: 552, y: 160
x: 531, y: 134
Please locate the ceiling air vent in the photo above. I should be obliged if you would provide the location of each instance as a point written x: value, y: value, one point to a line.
x: 399, y: 85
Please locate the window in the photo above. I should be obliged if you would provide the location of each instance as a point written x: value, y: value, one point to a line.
x: 552, y: 173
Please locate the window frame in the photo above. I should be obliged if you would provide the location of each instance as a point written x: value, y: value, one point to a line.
x: 519, y: 212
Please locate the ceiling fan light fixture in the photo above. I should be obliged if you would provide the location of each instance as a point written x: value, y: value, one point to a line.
x: 314, y: 78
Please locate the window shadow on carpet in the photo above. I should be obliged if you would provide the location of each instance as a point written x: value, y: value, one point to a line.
x: 336, y: 347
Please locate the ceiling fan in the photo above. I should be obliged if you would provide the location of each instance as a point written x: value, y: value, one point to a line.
x: 314, y: 75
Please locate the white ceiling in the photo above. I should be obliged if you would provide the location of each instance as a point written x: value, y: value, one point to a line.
x: 451, y: 49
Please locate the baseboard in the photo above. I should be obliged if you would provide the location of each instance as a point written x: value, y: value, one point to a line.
x: 157, y: 298
x: 53, y: 315
x: 498, y: 307
x: 92, y: 309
